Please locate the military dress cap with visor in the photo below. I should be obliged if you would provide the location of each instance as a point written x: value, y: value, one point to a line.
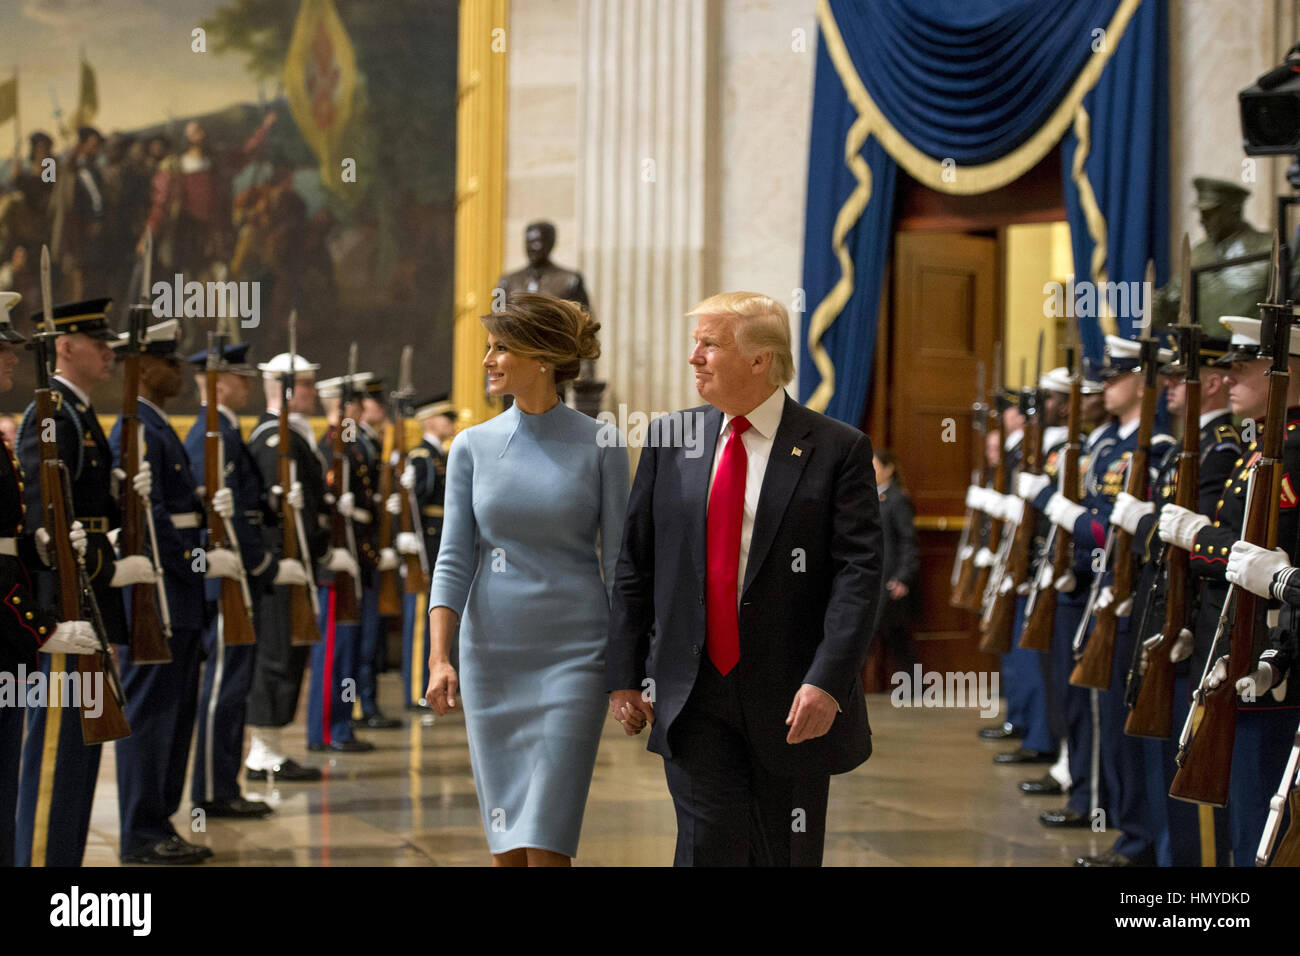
x: 1212, y: 193
x: 279, y: 365
x: 333, y: 387
x: 89, y: 317
x: 1245, y: 340
x: 1091, y: 377
x: 439, y: 404
x: 1212, y: 349
x: 7, y: 331
x: 234, y: 357
x: 374, y: 388
x: 1124, y: 355
x: 160, y: 339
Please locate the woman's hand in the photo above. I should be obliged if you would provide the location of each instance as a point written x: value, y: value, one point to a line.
x: 443, y: 685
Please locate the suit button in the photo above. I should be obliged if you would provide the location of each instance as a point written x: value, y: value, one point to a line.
x: 695, y: 650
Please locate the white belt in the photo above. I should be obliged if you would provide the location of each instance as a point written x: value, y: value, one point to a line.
x: 9, y: 547
x: 187, y: 519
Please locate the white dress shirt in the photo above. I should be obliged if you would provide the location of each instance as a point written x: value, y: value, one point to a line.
x: 763, y: 421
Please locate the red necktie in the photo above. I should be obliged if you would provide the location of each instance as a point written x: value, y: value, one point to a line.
x: 726, y: 513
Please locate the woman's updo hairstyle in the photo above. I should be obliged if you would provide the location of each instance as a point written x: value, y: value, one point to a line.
x: 556, y: 332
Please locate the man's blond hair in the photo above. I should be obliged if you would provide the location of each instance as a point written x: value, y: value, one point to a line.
x: 762, y: 325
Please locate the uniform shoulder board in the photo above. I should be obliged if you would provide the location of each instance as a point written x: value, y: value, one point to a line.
x: 1227, y: 432
x: 418, y: 453
x: 1162, y: 439
x: 56, y: 398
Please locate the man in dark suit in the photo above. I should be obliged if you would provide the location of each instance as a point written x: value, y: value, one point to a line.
x: 745, y: 598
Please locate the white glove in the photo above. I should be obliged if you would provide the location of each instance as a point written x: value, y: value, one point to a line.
x: 1013, y: 509
x: 223, y: 503
x: 993, y: 505
x: 1128, y: 511
x: 1181, y: 650
x: 1178, y: 526
x: 407, y: 543
x: 289, y: 571
x: 394, y: 504
x: 76, y: 535
x: 1029, y: 486
x: 116, y: 478
x: 974, y: 497
x: 72, y: 637
x: 340, y: 560
x: 1063, y: 512
x: 1252, y: 567
x: 295, y: 499
x: 222, y: 563
x: 135, y: 569
x: 1253, y: 685
x: 143, y: 481
x: 407, y: 480
x: 984, y: 558
x: 347, y: 504
x: 1067, y: 582
x: 387, y: 559
x: 1105, y: 599
x: 1045, y: 574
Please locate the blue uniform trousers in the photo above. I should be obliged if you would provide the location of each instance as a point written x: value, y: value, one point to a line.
x: 56, y: 786
x: 332, y: 688
x: 1124, y: 761
x: 1079, y: 708
x: 1259, y: 754
x: 1022, y: 683
x: 11, y: 748
x: 161, y: 703
x: 223, y: 703
x: 372, y: 632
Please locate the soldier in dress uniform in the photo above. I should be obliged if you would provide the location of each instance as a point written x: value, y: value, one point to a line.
x: 1219, y: 445
x: 162, y: 699
x: 228, y: 675
x: 57, y: 780
x: 1266, y: 722
x: 27, y: 626
x: 277, y: 670
x: 329, y: 704
x: 426, y: 478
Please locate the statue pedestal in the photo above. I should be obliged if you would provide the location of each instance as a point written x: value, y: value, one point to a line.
x: 587, y: 392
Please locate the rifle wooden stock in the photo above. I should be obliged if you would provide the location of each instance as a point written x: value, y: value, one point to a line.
x: 302, y: 618
x: 390, y: 594
x: 236, y: 616
x: 148, y: 642
x: 417, y: 581
x: 97, y: 669
x: 346, y: 606
x: 963, y: 593
x: 1288, y: 851
x: 1204, y: 770
x: 998, y: 636
x: 1153, y: 711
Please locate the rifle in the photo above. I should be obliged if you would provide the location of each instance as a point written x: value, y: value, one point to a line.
x: 303, y: 601
x: 390, y: 594
x: 1205, y: 760
x: 1153, y: 709
x: 1001, y: 617
x: 235, y: 605
x: 347, y: 589
x: 994, y: 543
x: 963, y: 571
x: 417, y: 565
x: 1095, y: 667
x: 1288, y: 794
x: 150, y: 621
x: 75, y: 597
x: 1040, y: 609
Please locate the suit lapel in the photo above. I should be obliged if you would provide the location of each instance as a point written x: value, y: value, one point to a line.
x: 695, y: 485
x: 790, y: 453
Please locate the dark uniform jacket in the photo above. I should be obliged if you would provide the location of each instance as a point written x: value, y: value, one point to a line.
x: 263, y: 445
x: 244, y: 480
x: 361, y: 482
x: 429, y: 462
x: 1213, y: 544
x: 24, y: 623
x: 84, y: 449
x: 174, y: 493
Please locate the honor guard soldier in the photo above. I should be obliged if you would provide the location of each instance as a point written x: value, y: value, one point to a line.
x: 1266, y: 722
x: 277, y: 671
x: 162, y: 698
x: 333, y: 685
x: 425, y: 478
x: 57, y: 780
x: 370, y: 655
x: 228, y: 675
x: 26, y: 624
x: 1218, y: 447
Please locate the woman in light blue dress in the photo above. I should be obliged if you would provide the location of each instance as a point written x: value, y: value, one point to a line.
x: 534, y: 513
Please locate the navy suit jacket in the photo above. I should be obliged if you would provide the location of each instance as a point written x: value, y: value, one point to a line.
x: 809, y: 599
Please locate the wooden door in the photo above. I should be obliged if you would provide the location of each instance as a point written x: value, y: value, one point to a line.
x: 943, y: 320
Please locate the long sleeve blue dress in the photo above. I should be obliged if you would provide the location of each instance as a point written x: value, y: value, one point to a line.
x: 535, y: 506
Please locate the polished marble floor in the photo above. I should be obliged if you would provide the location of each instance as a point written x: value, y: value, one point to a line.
x: 930, y: 796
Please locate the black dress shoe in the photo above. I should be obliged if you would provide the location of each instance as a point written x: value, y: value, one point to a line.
x: 236, y: 807
x: 1007, y: 731
x: 378, y: 721
x: 172, y: 850
x: 1064, y: 817
x: 344, y: 746
x: 1025, y: 755
x: 1044, y: 786
x: 289, y: 772
x: 1111, y: 858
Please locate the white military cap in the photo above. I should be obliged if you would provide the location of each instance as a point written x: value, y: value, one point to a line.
x: 280, y: 364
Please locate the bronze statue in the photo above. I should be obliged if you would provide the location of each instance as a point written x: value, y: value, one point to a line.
x: 1234, y: 290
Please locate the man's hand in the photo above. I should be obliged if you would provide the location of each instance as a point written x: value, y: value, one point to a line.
x: 76, y: 535
x: 134, y: 569
x: 1179, y: 526
x: 72, y: 637
x: 1128, y: 511
x: 289, y: 572
x: 443, y: 685
x: 223, y: 503
x: 143, y: 482
x: 340, y: 560
x: 811, y: 714
x: 387, y: 559
x: 897, y: 590
x: 1252, y: 567
x: 407, y: 543
x: 407, y: 480
x: 632, y: 710
x: 393, y: 504
x: 346, y: 504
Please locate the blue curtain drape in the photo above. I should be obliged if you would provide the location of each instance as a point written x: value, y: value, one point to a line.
x: 970, y: 81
